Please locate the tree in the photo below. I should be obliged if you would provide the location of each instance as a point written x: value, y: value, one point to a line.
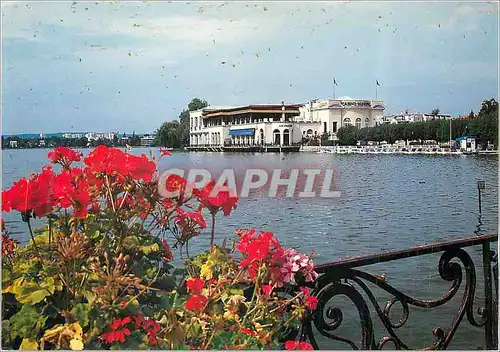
x: 435, y: 112
x: 197, y: 104
x: 175, y: 134
x: 471, y: 115
x: 168, y: 135
x: 347, y: 135
x: 488, y: 122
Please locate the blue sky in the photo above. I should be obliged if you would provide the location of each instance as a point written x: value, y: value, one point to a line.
x: 129, y: 66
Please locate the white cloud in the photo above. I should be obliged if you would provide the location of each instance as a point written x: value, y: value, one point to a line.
x: 150, y: 34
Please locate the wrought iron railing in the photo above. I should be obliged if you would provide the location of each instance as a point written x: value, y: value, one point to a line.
x: 344, y: 278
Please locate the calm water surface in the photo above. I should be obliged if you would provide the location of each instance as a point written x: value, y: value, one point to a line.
x: 388, y: 202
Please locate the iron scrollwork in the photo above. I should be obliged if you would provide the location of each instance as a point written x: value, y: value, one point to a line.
x: 455, y: 266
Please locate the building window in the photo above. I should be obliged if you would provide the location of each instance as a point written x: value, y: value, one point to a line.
x: 334, y: 129
x: 309, y: 132
x: 324, y: 127
x: 358, y: 123
x: 347, y: 122
x: 286, y: 137
x: 277, y: 139
x: 367, y: 122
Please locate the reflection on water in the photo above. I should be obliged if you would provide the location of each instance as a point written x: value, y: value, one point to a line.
x: 388, y: 202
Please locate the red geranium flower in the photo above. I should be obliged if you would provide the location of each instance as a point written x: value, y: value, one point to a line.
x: 152, y: 328
x: 196, y: 303
x: 217, y: 198
x: 311, y: 302
x: 119, y: 331
x: 267, y: 289
x: 191, y: 219
x: 296, y: 345
x: 195, y: 284
x: 140, y: 168
x: 72, y: 189
x: 31, y: 194
x: 64, y: 156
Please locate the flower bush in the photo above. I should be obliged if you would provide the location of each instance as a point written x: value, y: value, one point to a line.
x: 98, y: 274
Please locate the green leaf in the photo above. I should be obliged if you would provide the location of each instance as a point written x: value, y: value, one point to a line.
x: 89, y: 295
x: 149, y: 248
x: 5, y: 334
x: 81, y: 313
x: 133, y: 307
x: 222, y: 339
x: 130, y: 242
x: 28, y: 291
x: 25, y: 323
x: 6, y: 275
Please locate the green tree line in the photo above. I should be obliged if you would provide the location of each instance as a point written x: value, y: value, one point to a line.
x: 175, y: 134
x: 483, y: 126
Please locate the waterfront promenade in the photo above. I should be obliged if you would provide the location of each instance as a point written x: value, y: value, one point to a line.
x: 411, y: 150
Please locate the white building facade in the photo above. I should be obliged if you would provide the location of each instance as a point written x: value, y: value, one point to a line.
x: 279, y: 124
x: 327, y: 116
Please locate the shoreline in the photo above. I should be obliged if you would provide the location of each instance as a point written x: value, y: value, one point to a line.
x: 412, y: 150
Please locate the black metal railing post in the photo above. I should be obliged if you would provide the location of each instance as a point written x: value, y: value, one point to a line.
x: 488, y: 295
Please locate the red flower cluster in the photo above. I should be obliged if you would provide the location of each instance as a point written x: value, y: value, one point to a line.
x: 283, y: 265
x: 31, y: 194
x: 217, y: 198
x: 190, y: 219
x: 257, y: 249
x: 64, y: 156
x: 311, y: 302
x: 150, y: 327
x: 298, y: 345
x: 71, y: 189
x: 79, y: 188
x: 175, y: 185
x: 118, y: 331
x: 197, y: 301
x: 112, y: 161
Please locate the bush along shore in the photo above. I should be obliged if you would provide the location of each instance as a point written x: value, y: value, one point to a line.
x: 99, y: 273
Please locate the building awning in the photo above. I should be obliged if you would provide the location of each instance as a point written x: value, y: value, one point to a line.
x: 242, y: 132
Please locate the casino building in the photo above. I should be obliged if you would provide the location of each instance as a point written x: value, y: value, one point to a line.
x: 282, y: 126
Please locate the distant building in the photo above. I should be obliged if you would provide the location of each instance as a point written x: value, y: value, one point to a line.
x: 147, y: 141
x: 13, y: 144
x: 97, y: 135
x: 41, y: 143
x: 413, y: 117
x: 430, y: 117
x: 465, y: 144
x: 73, y: 135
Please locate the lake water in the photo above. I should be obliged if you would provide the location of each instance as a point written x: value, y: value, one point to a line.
x: 388, y: 202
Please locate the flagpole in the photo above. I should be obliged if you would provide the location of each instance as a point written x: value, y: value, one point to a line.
x: 376, y: 92
x: 334, y: 89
